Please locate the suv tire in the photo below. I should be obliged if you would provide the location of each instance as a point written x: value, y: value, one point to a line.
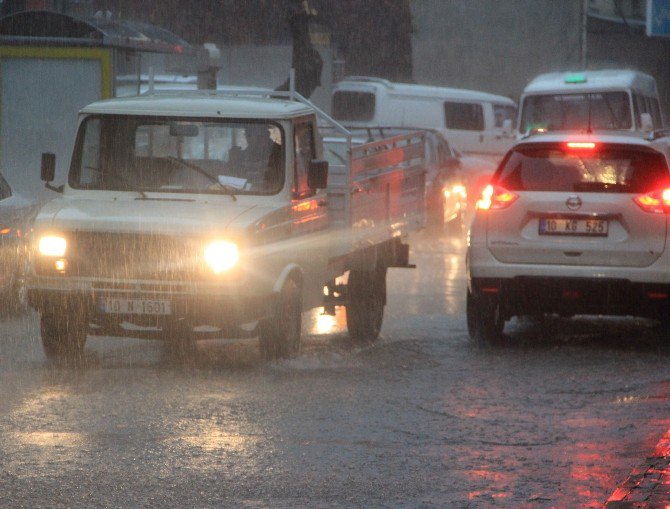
x: 484, y: 319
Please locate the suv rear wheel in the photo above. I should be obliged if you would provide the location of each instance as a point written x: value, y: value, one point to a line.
x: 485, y: 320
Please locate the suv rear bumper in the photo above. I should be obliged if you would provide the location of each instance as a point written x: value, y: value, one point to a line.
x: 524, y: 295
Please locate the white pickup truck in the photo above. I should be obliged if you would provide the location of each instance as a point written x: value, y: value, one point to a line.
x: 193, y: 214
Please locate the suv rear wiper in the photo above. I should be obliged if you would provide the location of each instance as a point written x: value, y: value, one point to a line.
x: 229, y: 190
x: 586, y: 187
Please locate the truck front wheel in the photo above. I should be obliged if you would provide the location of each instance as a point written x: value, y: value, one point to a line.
x: 63, y: 336
x: 366, y: 299
x: 279, y: 335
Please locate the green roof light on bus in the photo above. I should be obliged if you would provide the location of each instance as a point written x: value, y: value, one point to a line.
x: 575, y: 78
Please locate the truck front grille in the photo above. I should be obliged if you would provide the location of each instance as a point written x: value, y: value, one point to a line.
x: 126, y: 256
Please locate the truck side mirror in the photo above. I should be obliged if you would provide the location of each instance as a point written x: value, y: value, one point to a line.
x: 317, y: 176
x: 48, y: 168
x: 646, y: 122
x: 507, y: 127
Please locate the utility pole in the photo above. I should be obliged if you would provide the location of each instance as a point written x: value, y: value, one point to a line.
x: 582, y: 35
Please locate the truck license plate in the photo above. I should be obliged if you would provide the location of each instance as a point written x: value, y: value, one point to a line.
x: 135, y: 306
x: 584, y: 227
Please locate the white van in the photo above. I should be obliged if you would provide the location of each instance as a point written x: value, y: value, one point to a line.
x: 474, y: 122
x: 605, y: 100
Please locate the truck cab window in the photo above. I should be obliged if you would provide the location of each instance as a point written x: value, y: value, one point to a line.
x: 304, y: 153
x: 179, y: 155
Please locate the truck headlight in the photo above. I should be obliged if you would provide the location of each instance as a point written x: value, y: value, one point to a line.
x: 221, y: 256
x: 52, y: 245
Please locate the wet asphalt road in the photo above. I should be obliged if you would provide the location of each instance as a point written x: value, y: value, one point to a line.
x: 420, y: 419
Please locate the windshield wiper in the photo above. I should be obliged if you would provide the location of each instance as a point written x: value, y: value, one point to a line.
x: 229, y: 190
x: 617, y: 122
x: 127, y: 183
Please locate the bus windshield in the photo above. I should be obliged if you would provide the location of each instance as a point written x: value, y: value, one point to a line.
x: 562, y: 112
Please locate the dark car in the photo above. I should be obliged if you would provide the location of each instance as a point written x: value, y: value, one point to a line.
x: 16, y: 214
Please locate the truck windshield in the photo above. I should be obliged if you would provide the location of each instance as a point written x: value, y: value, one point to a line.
x: 563, y: 112
x: 116, y: 152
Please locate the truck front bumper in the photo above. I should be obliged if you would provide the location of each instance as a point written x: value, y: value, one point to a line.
x: 197, y: 304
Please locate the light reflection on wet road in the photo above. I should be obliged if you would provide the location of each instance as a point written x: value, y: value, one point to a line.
x: 420, y: 419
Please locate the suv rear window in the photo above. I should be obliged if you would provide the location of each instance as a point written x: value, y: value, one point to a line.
x: 605, y: 168
x: 356, y: 106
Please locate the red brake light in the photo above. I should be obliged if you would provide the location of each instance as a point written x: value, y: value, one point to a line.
x: 581, y: 145
x: 656, y: 202
x: 496, y: 198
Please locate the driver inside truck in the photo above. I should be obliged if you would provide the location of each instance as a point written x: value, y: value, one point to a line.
x: 261, y: 160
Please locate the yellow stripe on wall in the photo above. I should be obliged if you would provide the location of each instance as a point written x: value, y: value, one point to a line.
x: 103, y: 55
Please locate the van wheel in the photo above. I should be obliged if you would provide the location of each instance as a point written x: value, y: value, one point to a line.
x: 63, y: 335
x: 279, y: 336
x: 365, y: 304
x: 485, y: 320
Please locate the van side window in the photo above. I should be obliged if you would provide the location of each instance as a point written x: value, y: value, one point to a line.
x: 640, y: 105
x: 655, y: 111
x: 464, y: 116
x: 304, y: 153
x: 354, y: 106
x: 502, y: 113
x: 5, y: 191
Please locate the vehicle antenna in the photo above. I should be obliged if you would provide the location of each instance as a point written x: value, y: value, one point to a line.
x: 588, y: 129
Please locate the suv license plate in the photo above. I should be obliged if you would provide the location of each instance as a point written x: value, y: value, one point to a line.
x: 583, y: 227
x: 135, y: 306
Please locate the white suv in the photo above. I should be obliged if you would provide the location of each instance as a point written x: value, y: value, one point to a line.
x: 571, y: 224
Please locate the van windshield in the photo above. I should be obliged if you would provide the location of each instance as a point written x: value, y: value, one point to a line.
x: 160, y: 154
x: 563, y: 112
x: 603, y: 168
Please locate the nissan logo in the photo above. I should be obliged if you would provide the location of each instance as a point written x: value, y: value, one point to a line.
x: 574, y: 202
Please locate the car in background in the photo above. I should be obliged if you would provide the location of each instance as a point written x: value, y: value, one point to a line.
x: 571, y: 225
x: 16, y: 215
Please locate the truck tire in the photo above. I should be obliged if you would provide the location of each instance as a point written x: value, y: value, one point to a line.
x: 366, y: 298
x: 15, y: 299
x: 484, y: 320
x: 63, y: 335
x: 279, y: 336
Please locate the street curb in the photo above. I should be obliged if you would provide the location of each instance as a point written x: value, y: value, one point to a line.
x: 648, y: 485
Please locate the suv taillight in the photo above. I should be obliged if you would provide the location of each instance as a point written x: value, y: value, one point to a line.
x: 656, y: 202
x: 496, y: 198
